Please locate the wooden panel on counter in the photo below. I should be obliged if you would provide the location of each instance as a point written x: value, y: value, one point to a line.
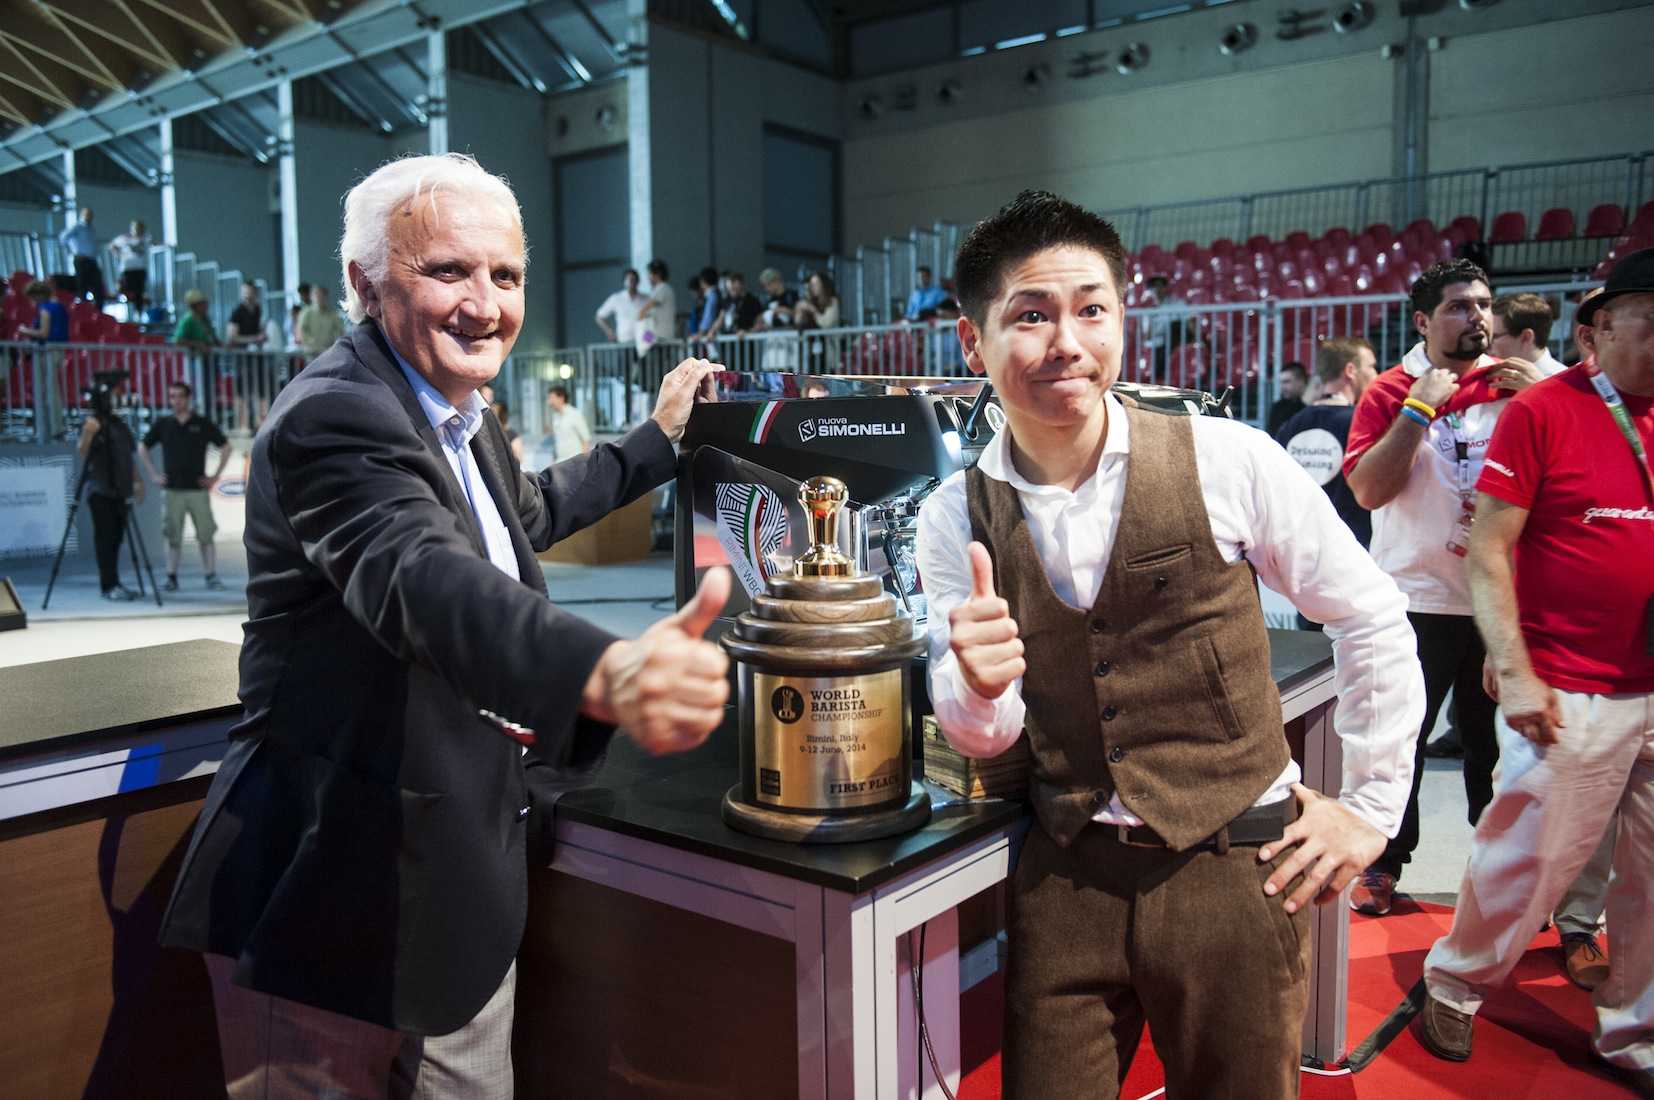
x: 622, y: 997
x: 93, y: 1006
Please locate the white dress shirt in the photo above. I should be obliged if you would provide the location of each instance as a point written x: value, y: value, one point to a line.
x: 1262, y: 506
x: 622, y: 306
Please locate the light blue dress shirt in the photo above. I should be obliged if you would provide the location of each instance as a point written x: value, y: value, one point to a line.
x: 454, y: 430
x: 79, y: 240
x: 923, y: 298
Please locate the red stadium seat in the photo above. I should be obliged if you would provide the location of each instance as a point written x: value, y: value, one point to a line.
x: 1186, y: 250
x: 1313, y: 286
x: 1644, y: 218
x: 1223, y: 246
x: 1420, y: 227
x: 1464, y: 228
x: 1508, y: 228
x: 1341, y: 286
x: 1338, y: 235
x: 1259, y: 242
x: 1607, y: 220
x: 19, y: 281
x: 1380, y: 232
x: 1392, y: 282
x: 1289, y: 288
x: 1298, y: 239
x: 1555, y: 224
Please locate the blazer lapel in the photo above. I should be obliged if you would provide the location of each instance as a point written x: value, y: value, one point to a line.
x: 370, y: 347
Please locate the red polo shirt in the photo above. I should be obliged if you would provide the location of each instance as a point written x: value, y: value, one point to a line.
x: 1585, y: 560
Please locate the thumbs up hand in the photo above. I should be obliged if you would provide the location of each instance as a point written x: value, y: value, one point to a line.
x: 982, y: 634
x: 667, y: 689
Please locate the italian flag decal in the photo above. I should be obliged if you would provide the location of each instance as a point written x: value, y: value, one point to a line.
x: 762, y: 423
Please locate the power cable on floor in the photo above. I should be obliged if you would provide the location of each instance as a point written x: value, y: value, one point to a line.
x: 916, y: 966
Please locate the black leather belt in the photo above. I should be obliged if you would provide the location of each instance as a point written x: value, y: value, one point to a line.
x: 1256, y: 826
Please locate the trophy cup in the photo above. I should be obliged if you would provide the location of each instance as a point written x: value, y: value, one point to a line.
x: 826, y: 734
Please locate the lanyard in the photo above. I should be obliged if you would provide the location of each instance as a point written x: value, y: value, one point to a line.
x: 1461, y: 451
x: 1622, y: 419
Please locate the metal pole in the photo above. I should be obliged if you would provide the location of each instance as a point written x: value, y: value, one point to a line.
x: 436, y: 105
x: 71, y: 204
x: 169, y: 190
x: 288, y: 178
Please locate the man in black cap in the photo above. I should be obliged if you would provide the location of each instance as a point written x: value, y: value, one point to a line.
x: 1560, y: 578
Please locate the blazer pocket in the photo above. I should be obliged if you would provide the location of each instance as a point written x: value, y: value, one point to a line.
x: 1223, y: 710
x: 1158, y: 559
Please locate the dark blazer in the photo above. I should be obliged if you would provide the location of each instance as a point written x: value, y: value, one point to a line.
x: 361, y: 848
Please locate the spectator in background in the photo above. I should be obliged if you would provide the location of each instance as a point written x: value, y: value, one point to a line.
x: 741, y: 308
x: 1316, y: 435
x: 779, y: 300
x: 320, y: 325
x: 502, y: 413
x: 926, y: 296
x: 294, y: 312
x: 622, y: 308
x: 51, y: 317
x: 106, y: 445
x: 1521, y: 335
x: 82, y: 245
x: 566, y: 425
x: 1293, y: 380
x: 657, y: 319
x: 709, y: 307
x: 131, y: 251
x: 247, y: 319
x: 1415, y: 449
x: 815, y: 387
x: 820, y: 306
x: 185, y: 486
x: 1559, y: 573
x: 194, y: 330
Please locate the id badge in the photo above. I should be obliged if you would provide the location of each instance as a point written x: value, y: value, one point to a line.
x: 1458, y: 541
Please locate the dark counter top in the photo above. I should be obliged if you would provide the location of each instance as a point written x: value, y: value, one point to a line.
x: 674, y: 800
x: 54, y: 704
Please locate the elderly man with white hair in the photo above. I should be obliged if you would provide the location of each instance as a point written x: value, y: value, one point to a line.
x: 358, y: 877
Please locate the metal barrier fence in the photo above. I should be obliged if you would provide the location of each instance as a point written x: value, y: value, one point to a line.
x: 1482, y: 193
x: 1239, y: 346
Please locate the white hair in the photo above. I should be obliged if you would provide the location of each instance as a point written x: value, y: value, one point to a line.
x: 404, y: 182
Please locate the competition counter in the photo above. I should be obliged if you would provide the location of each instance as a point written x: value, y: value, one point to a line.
x: 664, y: 952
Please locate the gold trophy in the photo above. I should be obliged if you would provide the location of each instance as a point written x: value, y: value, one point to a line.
x: 826, y: 733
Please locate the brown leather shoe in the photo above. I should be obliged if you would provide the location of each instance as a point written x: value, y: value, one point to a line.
x: 1374, y: 893
x: 1444, y: 1031
x: 1584, y: 959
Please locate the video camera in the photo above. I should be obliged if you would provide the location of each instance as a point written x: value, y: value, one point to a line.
x: 100, y: 395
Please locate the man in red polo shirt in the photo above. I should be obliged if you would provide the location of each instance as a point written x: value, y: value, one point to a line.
x: 1415, y: 450
x: 1562, y: 576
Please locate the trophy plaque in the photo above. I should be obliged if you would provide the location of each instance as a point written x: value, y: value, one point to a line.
x: 826, y: 736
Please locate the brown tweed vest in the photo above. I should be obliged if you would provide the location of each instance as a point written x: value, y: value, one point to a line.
x: 1162, y: 690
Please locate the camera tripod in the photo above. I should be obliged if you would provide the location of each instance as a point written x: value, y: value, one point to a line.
x: 134, y: 542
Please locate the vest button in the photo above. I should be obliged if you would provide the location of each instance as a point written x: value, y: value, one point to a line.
x: 1108, y: 714
x: 1161, y: 582
x: 1104, y: 668
x: 1098, y: 626
x: 1116, y: 754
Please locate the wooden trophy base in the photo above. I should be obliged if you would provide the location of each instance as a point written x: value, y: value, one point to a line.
x: 826, y: 828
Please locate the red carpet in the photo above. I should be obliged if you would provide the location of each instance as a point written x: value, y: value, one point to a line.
x: 1532, y: 1038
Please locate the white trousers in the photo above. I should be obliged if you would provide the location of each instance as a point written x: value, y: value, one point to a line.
x: 1550, y: 807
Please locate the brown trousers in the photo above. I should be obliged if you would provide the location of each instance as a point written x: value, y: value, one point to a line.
x: 1105, y: 937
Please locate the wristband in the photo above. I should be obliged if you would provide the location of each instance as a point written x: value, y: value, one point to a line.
x: 1415, y: 403
x: 1415, y: 416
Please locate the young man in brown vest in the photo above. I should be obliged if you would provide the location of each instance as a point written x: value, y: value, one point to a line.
x: 1089, y: 584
